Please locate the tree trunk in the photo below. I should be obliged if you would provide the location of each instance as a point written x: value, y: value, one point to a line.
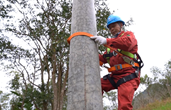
x: 54, y: 106
x: 84, y: 86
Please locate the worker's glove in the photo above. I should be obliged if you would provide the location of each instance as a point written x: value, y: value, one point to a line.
x: 99, y: 39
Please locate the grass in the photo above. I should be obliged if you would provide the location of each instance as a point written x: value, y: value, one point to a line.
x: 158, y: 105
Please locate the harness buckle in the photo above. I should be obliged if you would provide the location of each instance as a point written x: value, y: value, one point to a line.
x: 135, y: 57
x: 105, y: 77
x: 132, y: 63
x: 114, y: 53
x: 128, y: 60
x: 116, y: 66
x: 124, y: 79
x: 137, y: 72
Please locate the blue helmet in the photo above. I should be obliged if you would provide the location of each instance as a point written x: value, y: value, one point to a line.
x: 112, y: 19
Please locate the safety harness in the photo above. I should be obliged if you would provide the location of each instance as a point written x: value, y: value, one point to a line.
x: 136, y: 63
x: 132, y: 60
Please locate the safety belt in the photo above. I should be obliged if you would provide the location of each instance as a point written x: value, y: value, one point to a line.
x: 126, y: 78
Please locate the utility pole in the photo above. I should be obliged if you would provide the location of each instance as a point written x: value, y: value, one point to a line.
x: 84, y: 86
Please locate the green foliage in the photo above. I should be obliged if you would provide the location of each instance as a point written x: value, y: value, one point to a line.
x: 44, y: 28
x: 5, y: 9
x: 15, y: 84
x: 163, y: 76
x: 160, y: 76
x: 4, y: 97
x: 101, y: 17
x: 29, y: 96
x: 5, y: 45
x: 102, y: 14
x: 146, y: 80
x: 112, y: 98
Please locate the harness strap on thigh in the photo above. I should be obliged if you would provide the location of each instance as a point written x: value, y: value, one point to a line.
x: 126, y: 78
x: 112, y: 81
x: 120, y: 81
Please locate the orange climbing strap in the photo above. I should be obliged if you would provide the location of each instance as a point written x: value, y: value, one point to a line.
x: 89, y: 35
x: 79, y: 34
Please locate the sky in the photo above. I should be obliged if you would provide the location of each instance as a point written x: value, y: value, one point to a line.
x: 152, y: 21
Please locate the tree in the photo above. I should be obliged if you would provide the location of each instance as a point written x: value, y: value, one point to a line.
x: 41, y: 69
x: 5, y: 45
x: 84, y: 87
x: 5, y: 9
x: 163, y: 76
x: 112, y: 97
x: 39, y: 65
x: 4, y: 97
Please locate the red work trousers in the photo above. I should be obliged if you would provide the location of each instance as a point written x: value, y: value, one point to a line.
x: 125, y: 92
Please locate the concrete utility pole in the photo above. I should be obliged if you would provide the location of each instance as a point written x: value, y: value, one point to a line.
x: 84, y: 86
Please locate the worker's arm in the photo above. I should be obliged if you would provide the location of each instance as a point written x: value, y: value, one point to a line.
x: 126, y: 42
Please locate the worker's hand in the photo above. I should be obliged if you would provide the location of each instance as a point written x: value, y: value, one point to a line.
x: 99, y: 39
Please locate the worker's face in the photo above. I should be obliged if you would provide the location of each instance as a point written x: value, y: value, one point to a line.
x: 115, y: 28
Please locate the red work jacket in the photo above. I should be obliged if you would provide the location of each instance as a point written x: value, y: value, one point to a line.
x: 125, y: 41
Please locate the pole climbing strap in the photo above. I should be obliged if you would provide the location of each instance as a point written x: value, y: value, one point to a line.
x: 79, y: 34
x: 89, y: 35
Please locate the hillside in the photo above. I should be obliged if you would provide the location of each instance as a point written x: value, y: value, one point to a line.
x: 158, y: 105
x: 151, y: 94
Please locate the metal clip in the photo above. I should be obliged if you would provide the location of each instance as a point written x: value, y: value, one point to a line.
x: 128, y: 60
x: 135, y: 57
x: 114, y: 53
x: 116, y: 66
x: 124, y: 79
x: 137, y: 72
x: 105, y: 77
x: 132, y: 63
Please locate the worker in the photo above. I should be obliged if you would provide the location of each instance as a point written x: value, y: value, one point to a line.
x: 125, y: 62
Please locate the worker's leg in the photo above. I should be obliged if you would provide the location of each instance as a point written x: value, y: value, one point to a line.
x: 126, y: 93
x: 106, y: 85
